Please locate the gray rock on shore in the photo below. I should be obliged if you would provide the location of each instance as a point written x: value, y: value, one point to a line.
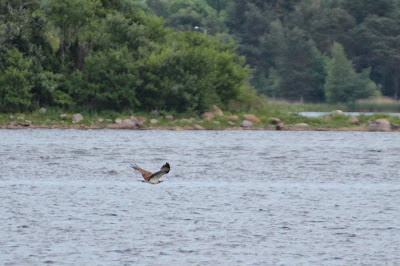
x: 382, y: 125
x: 76, y: 118
x: 246, y: 124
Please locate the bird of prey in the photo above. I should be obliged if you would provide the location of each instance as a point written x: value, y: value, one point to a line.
x: 151, y: 178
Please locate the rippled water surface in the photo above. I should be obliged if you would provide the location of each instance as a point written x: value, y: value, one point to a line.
x: 232, y: 197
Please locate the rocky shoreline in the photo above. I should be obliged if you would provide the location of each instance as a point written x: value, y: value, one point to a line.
x: 213, y: 120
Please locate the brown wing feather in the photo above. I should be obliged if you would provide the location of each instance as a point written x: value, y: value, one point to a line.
x: 146, y: 174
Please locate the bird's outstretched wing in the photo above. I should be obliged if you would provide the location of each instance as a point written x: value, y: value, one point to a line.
x: 163, y: 170
x: 146, y: 174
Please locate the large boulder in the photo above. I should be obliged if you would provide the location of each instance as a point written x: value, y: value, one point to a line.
x: 153, y: 121
x: 217, y: 111
x: 233, y: 118
x: 128, y: 121
x: 353, y: 120
x: 76, y: 118
x: 302, y: 125
x: 198, y: 127
x: 251, y: 118
x: 186, y: 120
x: 337, y: 112
x: 207, y: 116
x: 140, y: 119
x: 246, y: 123
x: 395, y: 126
x: 169, y: 117
x: 280, y: 126
x: 380, y: 125
x: 155, y: 112
x: 43, y: 110
x: 275, y: 120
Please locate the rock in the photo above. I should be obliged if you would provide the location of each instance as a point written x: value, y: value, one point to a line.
x: 118, y: 121
x: 63, y: 116
x: 153, y: 121
x: 20, y: 118
x: 198, y: 127
x: 76, y: 118
x: 217, y: 111
x: 231, y: 123
x: 141, y: 119
x: 275, y: 120
x: 43, y: 110
x: 337, y: 112
x: 100, y: 120
x: 177, y: 128
x: 127, y: 121
x: 29, y: 122
x: 187, y: 128
x: 394, y: 126
x: 251, y: 118
x: 301, y: 125
x: 185, y: 120
x: 23, y: 124
x: 246, y: 123
x: 353, y: 120
x: 122, y: 126
x: 169, y: 117
x: 380, y: 125
x: 155, y: 112
x: 109, y: 120
x: 280, y: 126
x: 233, y: 118
x: 216, y: 122
x: 207, y: 116
x: 12, y: 117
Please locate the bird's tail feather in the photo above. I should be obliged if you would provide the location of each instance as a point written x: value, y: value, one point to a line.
x: 134, y: 165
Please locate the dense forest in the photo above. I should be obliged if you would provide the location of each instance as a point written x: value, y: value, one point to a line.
x: 184, y: 55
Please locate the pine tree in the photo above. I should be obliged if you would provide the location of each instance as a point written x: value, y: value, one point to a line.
x: 343, y: 83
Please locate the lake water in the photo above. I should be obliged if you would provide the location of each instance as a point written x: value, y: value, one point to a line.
x: 231, y: 197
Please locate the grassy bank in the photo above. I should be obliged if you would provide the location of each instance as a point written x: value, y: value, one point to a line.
x: 377, y: 105
x: 57, y: 118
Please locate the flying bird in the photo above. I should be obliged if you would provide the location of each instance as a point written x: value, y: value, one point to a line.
x: 149, y: 177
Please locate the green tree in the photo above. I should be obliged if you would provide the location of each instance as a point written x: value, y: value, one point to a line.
x: 361, y: 9
x: 294, y: 66
x: 343, y: 84
x: 186, y: 14
x: 376, y: 46
x: 108, y: 81
x: 70, y: 17
x: 332, y: 25
x: 15, y: 82
x: 193, y: 73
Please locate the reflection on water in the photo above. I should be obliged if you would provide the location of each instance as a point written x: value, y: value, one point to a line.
x: 261, y: 197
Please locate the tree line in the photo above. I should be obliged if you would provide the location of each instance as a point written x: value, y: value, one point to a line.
x: 184, y: 55
x: 311, y: 50
x: 111, y: 55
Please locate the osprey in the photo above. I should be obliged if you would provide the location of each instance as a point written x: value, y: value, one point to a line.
x: 149, y: 177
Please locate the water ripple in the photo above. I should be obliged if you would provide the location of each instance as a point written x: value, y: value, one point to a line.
x: 255, y: 198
